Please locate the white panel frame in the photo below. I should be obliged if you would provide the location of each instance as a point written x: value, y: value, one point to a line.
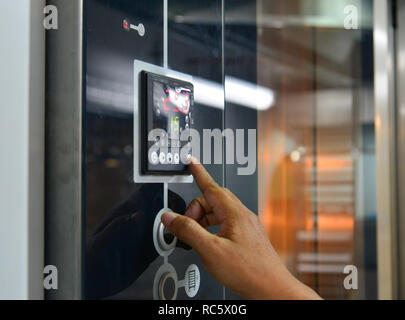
x: 140, y: 66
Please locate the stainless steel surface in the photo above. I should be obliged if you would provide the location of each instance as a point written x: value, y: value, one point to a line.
x: 36, y: 152
x: 64, y: 149
x: 401, y: 143
x: 385, y: 149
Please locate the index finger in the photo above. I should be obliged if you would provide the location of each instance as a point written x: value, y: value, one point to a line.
x: 201, y: 176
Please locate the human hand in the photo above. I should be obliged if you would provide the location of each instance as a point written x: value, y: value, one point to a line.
x: 240, y: 256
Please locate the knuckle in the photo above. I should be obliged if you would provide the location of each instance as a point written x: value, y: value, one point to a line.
x: 176, y: 228
x: 231, y: 195
x: 252, y: 219
x: 228, y: 191
x: 216, y: 242
x: 199, y: 201
x: 182, y: 225
x: 195, y: 202
x: 212, y: 191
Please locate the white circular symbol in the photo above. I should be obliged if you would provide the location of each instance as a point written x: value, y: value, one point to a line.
x: 154, y: 158
x: 141, y: 29
x: 162, y: 158
x: 192, y: 281
x: 169, y: 158
x: 176, y: 158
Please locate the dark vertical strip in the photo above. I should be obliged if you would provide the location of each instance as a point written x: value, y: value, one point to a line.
x: 223, y: 112
x: 84, y: 150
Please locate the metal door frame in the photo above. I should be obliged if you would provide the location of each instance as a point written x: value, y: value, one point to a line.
x: 64, y: 149
x: 385, y: 126
x: 400, y: 53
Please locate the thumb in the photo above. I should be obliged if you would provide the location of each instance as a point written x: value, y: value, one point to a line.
x: 189, y: 231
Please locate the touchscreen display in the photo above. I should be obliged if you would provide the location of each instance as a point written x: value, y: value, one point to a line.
x: 167, y: 118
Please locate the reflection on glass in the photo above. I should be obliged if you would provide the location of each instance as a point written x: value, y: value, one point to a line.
x: 316, y: 145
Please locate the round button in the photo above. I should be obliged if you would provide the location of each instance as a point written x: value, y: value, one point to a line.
x: 176, y: 158
x: 169, y: 158
x: 165, y: 283
x: 154, y: 159
x: 168, y: 236
x: 168, y: 287
x: 186, y: 155
x: 164, y: 242
x: 167, y: 241
x: 162, y: 158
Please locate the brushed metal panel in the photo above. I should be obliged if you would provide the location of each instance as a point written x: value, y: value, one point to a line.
x: 64, y: 149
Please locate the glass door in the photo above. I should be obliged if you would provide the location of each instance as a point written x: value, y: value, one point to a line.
x: 311, y: 63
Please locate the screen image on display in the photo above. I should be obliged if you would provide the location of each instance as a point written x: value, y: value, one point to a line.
x: 166, y: 110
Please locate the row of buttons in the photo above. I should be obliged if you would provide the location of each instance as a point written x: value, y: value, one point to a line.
x: 163, y: 159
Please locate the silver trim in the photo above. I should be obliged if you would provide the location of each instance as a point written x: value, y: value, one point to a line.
x: 162, y: 285
x: 36, y: 152
x: 166, y: 268
x: 157, y: 235
x: 64, y: 149
x: 162, y: 241
x: 401, y: 143
x: 385, y: 150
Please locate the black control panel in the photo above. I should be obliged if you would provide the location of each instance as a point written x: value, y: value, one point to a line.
x: 166, y: 119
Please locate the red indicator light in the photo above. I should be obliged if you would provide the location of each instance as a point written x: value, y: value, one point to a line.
x: 125, y: 24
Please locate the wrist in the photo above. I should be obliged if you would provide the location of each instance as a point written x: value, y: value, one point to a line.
x: 284, y: 286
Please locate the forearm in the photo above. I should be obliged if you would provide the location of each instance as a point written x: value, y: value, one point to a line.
x: 277, y: 284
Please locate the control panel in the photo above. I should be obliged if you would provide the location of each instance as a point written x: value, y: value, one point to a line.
x: 166, y: 120
x: 163, y: 123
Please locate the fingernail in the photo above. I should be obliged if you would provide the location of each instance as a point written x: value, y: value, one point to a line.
x: 168, y: 218
x: 194, y: 160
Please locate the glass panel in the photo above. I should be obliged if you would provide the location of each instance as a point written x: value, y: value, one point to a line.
x: 121, y: 261
x: 240, y: 67
x: 316, y: 147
